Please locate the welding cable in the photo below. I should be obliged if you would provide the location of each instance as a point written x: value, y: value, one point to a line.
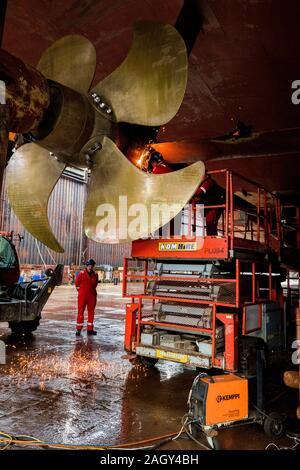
x: 8, y: 443
x: 12, y: 439
x: 196, y: 380
x: 26, y: 438
x: 293, y: 435
x: 185, y: 419
x: 273, y: 446
x: 194, y: 439
x: 16, y: 440
x: 154, y: 446
x: 68, y: 446
x: 185, y: 426
x: 30, y: 438
x: 153, y: 439
x: 295, y: 438
x: 185, y: 429
x: 78, y: 447
x: 34, y: 443
x: 290, y: 435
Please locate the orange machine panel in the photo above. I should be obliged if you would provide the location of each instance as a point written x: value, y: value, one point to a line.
x: 181, y: 248
x: 227, y: 399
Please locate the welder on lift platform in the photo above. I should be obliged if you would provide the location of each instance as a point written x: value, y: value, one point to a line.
x: 157, y: 165
x: 86, y: 285
x: 208, y: 193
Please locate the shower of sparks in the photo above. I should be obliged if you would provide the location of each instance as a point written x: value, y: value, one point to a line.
x: 81, y: 365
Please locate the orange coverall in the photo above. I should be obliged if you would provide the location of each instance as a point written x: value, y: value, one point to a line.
x: 87, y: 297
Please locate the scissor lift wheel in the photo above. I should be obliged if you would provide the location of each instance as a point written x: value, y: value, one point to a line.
x: 274, y: 425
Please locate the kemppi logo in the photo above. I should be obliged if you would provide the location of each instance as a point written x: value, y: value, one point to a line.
x: 234, y: 396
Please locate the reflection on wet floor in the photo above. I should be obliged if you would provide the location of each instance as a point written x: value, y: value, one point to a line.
x: 83, y: 390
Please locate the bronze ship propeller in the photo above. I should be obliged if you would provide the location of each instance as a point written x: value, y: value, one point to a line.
x: 71, y: 124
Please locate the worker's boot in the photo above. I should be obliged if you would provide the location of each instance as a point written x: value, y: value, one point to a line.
x: 91, y: 332
x: 78, y: 333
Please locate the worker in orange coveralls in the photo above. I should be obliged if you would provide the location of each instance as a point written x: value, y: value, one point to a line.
x: 86, y: 284
x: 210, y: 193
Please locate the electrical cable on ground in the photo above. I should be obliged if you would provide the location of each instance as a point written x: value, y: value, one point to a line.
x: 185, y: 418
x: 294, y: 437
x: 189, y: 434
x: 23, y: 440
x: 9, y: 440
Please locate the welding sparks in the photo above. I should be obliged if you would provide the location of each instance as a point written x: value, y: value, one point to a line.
x: 82, y: 365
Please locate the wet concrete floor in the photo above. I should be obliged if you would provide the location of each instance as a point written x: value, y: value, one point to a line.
x: 63, y: 389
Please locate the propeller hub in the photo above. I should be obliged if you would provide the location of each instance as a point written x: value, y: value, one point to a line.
x: 26, y: 91
x: 72, y: 125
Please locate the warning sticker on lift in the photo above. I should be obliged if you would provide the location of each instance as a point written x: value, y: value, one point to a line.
x: 177, y: 246
x: 172, y: 356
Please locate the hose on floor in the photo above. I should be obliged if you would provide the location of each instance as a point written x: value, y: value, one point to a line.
x: 8, y: 440
x: 294, y: 437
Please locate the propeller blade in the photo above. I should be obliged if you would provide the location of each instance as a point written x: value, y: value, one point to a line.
x: 117, y: 186
x: 149, y: 86
x: 31, y: 175
x: 70, y: 61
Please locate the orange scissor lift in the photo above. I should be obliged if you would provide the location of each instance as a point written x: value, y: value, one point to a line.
x: 200, y: 300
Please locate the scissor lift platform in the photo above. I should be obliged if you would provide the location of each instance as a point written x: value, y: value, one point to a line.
x: 186, y: 289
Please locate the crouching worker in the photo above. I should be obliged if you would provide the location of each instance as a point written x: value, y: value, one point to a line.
x: 86, y: 285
